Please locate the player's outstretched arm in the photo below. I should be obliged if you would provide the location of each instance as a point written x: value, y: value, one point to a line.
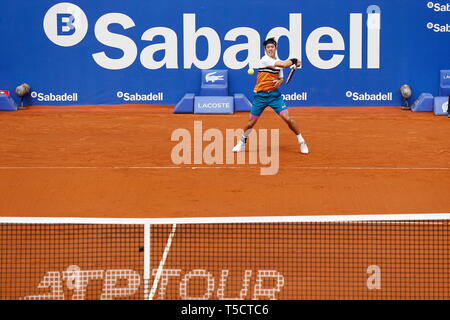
x: 288, y: 63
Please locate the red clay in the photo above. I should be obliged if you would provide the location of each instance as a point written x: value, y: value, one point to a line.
x: 115, y: 161
x: 357, y: 143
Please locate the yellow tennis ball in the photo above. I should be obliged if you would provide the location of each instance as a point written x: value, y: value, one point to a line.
x: 251, y: 71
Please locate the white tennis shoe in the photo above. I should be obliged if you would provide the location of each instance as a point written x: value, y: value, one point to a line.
x: 239, y: 147
x: 304, y: 148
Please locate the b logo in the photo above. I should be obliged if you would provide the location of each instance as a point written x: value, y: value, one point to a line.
x: 65, y: 24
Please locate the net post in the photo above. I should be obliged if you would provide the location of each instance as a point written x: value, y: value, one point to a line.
x: 147, y: 244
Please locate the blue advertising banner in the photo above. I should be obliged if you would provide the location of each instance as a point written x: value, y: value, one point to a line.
x: 353, y: 52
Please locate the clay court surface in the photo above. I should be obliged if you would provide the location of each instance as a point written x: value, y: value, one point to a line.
x: 115, y: 161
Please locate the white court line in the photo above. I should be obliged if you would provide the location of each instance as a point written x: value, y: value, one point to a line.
x: 162, y: 263
x: 147, y: 258
x: 232, y: 219
x: 231, y: 167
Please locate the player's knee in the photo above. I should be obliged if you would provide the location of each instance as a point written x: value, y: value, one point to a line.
x: 286, y: 118
x: 290, y: 122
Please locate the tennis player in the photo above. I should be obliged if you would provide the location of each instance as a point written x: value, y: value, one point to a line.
x: 270, y: 78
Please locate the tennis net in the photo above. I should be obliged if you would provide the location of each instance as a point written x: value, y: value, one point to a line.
x: 298, y: 257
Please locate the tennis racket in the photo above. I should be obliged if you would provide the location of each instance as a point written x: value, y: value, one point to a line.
x: 291, y: 74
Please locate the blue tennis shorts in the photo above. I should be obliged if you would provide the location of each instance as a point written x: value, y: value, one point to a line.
x: 264, y: 99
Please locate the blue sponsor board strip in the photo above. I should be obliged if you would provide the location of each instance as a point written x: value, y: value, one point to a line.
x: 214, y: 105
x: 99, y: 48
